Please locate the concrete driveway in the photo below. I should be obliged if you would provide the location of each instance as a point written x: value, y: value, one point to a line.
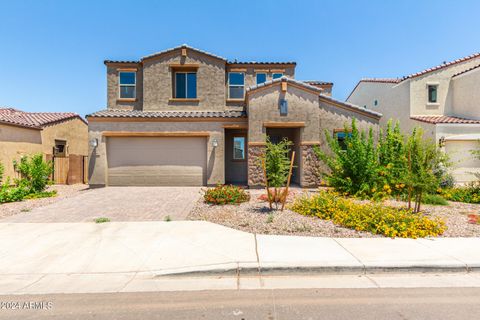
x: 117, y: 204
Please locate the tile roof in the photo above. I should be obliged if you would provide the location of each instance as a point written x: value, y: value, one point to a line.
x: 201, y: 51
x: 465, y: 71
x: 317, y: 89
x: 442, y: 66
x: 35, y: 120
x: 444, y: 119
x: 317, y: 82
x: 167, y: 114
x: 381, y: 80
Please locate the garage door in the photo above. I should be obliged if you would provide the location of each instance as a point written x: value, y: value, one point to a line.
x: 157, y: 161
x: 465, y: 165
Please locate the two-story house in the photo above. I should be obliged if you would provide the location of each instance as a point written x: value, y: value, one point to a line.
x: 443, y: 100
x: 188, y: 117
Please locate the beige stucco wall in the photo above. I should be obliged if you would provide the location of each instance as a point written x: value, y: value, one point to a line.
x: 263, y: 105
x: 113, y: 89
x: 466, y: 95
x: 215, y: 156
x: 442, y: 77
x: 74, y: 131
x: 16, y: 142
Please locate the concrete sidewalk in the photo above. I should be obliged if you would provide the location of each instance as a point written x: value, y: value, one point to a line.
x: 35, y: 257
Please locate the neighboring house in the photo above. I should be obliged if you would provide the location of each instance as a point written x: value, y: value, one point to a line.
x: 188, y: 117
x: 60, y: 136
x: 444, y: 100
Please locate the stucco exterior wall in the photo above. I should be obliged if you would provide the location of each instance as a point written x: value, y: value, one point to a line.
x: 16, y: 142
x: 466, y: 95
x: 442, y: 77
x: 158, y: 82
x: 215, y: 156
x: 74, y: 131
x: 113, y: 89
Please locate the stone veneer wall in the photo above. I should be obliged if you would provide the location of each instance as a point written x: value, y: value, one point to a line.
x: 311, y: 176
x: 255, y: 171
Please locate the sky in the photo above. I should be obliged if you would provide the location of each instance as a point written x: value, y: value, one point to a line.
x: 52, y: 52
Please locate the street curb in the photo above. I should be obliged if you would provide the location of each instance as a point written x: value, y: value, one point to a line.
x: 320, y: 270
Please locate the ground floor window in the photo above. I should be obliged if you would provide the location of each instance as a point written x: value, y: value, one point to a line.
x: 239, y: 148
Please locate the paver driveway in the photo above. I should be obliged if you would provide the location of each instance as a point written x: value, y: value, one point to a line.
x: 117, y: 204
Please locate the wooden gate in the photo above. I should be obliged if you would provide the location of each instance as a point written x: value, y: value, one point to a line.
x: 60, y: 170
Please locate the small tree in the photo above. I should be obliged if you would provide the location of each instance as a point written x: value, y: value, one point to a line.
x: 423, y: 158
x: 34, y: 172
x: 277, y: 166
x: 354, y: 169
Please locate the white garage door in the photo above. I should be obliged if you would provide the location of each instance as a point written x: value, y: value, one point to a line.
x: 157, y: 161
x: 465, y: 165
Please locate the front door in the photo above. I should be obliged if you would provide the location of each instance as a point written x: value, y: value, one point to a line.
x: 236, y: 154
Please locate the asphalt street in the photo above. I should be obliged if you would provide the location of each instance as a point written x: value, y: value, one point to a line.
x: 358, y: 304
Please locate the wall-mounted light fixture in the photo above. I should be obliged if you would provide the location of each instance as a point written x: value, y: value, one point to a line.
x: 441, y: 142
x: 214, y: 143
x: 94, y: 142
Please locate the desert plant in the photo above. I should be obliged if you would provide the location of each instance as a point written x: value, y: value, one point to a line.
x: 372, y: 217
x: 423, y: 158
x: 35, y: 171
x: 12, y: 194
x: 225, y: 194
x: 353, y: 170
x: 102, y: 220
x: 2, y: 168
x: 167, y: 219
x: 469, y: 193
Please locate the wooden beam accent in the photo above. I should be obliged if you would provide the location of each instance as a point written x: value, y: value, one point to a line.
x: 184, y: 65
x: 126, y: 100
x: 156, y: 134
x: 120, y: 119
x: 309, y: 143
x: 284, y: 86
x: 128, y: 69
x: 258, y: 144
x: 261, y: 70
x: 196, y: 100
x: 235, y: 126
x: 280, y: 124
x: 277, y: 70
x: 237, y: 70
x: 184, y: 52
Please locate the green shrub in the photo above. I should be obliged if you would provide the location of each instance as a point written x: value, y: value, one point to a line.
x: 374, y: 218
x: 35, y: 171
x: 469, y: 193
x: 101, y: 220
x: 225, y: 194
x: 434, y: 199
x: 2, y: 168
x: 43, y: 194
x: 12, y: 194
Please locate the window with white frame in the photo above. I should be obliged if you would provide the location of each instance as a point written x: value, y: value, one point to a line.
x: 127, y: 84
x: 185, y: 85
x: 261, y: 77
x: 277, y: 75
x: 236, y: 85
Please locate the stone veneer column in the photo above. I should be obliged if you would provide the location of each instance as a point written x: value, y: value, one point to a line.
x: 311, y: 176
x: 255, y: 171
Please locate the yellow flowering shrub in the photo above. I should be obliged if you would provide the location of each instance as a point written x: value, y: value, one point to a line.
x: 372, y: 217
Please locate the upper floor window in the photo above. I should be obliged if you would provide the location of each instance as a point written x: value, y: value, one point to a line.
x: 432, y: 93
x: 127, y: 85
x: 261, y: 78
x: 236, y: 85
x: 277, y: 75
x: 185, y: 85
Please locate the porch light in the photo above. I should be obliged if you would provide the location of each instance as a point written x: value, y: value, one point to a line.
x: 214, y: 143
x: 94, y: 143
x: 441, y: 142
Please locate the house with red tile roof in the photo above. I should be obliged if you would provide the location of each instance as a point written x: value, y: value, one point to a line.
x: 61, y: 137
x: 444, y: 100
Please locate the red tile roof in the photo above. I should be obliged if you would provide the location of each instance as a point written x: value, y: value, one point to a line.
x: 381, y: 80
x: 444, y: 119
x: 441, y: 66
x: 35, y: 120
x: 465, y: 71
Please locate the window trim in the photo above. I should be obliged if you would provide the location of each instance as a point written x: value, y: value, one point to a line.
x: 65, y: 147
x: 175, y: 98
x: 236, y: 85
x: 244, y: 148
x: 434, y: 85
x: 120, y: 85
x: 280, y: 73
x: 256, y: 79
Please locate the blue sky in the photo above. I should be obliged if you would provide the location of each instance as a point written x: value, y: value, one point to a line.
x: 52, y: 52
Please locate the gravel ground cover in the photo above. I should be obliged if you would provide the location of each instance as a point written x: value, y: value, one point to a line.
x: 255, y: 217
x: 63, y: 191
